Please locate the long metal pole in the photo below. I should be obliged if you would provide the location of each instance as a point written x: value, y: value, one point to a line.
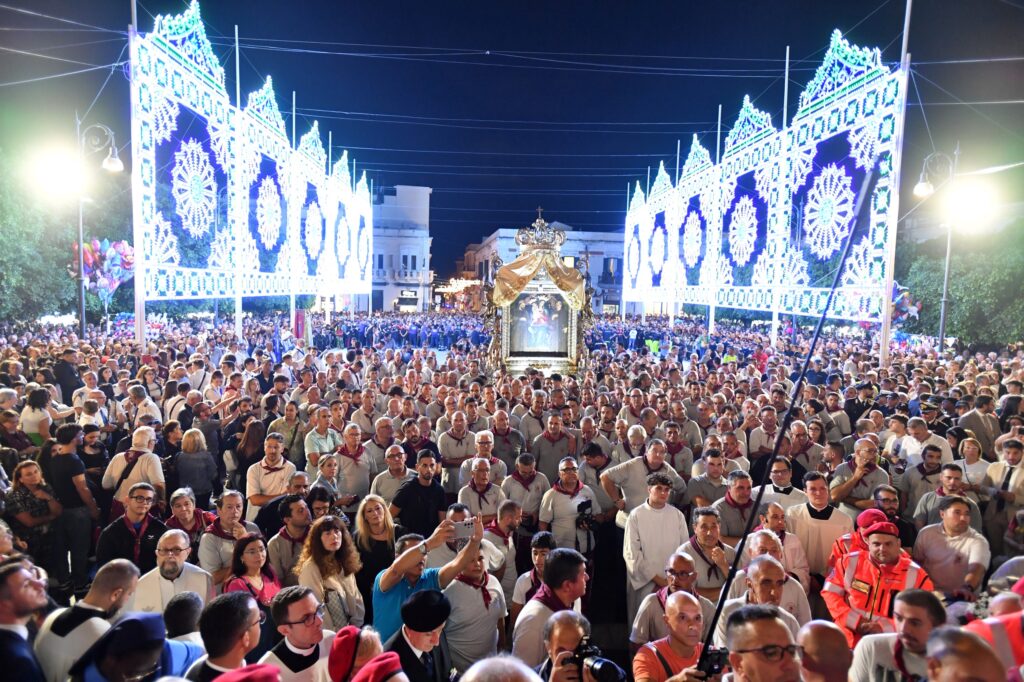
x: 945, y: 287
x: 949, y: 253
x: 81, y: 233
x: 234, y: 228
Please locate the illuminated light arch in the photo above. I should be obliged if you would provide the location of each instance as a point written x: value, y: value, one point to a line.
x: 223, y: 205
x: 803, y: 179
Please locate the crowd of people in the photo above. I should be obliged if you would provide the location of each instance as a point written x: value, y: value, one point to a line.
x: 382, y: 501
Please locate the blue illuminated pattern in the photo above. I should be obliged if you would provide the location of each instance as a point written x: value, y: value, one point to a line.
x: 223, y: 204
x: 763, y: 227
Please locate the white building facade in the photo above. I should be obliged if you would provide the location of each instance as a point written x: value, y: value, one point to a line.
x: 604, y: 250
x: 402, y: 278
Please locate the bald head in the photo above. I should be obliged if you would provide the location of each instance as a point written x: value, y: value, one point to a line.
x: 1004, y: 603
x: 827, y: 656
x: 500, y: 669
x: 955, y: 654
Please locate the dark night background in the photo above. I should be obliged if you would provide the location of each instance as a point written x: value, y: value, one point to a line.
x: 573, y: 101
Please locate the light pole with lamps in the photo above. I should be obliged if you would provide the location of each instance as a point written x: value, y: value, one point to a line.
x: 91, y: 139
x: 940, y: 166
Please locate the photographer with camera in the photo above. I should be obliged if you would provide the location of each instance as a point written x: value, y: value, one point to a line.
x: 571, y: 656
x: 568, y: 509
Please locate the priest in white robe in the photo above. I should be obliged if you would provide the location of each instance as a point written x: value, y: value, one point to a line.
x: 653, y: 532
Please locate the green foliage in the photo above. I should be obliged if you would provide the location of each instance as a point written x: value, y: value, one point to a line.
x: 34, y: 250
x: 985, y: 303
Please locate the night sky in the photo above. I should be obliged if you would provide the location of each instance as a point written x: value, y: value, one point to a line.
x: 503, y: 106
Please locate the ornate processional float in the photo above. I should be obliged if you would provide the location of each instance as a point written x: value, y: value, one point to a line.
x: 538, y: 307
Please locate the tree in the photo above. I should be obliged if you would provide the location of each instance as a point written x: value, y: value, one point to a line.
x: 34, y: 249
x: 985, y: 304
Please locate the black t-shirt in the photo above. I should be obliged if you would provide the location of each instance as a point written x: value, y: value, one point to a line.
x: 419, y: 505
x: 63, y: 468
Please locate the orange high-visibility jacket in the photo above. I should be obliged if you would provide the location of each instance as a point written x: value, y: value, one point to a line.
x: 859, y: 590
x: 1006, y: 635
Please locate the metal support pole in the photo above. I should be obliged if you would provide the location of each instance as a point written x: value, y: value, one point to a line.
x: 945, y: 288
x: 238, y: 278
x: 81, y: 233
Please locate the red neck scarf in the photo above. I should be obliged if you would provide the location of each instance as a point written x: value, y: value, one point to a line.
x: 354, y: 456
x: 384, y: 446
x: 571, y: 493
x: 713, y: 567
x: 546, y: 596
x: 736, y: 505
x: 648, y: 466
x: 674, y: 448
x: 634, y: 412
x: 897, y: 655
x: 504, y: 436
x: 662, y: 596
x: 548, y: 437
x: 219, y: 531
x: 137, y: 535
x: 270, y: 469
x: 523, y: 481
x: 457, y: 439
x: 131, y: 455
x: 287, y: 536
x: 495, y: 529
x: 482, y: 494
x: 629, y: 450
x: 482, y: 586
x: 925, y: 473
x: 535, y: 583
x: 200, y: 519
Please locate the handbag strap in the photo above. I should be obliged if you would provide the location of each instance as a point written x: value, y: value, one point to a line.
x: 126, y: 473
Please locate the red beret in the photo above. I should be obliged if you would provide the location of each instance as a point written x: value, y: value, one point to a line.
x: 257, y: 672
x: 381, y: 668
x: 870, y: 517
x: 883, y: 527
x: 343, y: 653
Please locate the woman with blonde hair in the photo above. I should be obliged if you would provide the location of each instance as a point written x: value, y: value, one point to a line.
x: 975, y: 469
x: 328, y: 566
x: 374, y: 537
x: 327, y: 475
x: 196, y: 467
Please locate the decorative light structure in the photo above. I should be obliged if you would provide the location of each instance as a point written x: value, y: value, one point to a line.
x: 223, y: 205
x: 758, y: 228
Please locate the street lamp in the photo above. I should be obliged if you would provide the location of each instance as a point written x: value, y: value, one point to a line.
x: 92, y: 139
x: 943, y: 168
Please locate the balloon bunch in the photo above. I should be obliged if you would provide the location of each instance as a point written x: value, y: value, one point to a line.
x: 903, y: 305
x: 108, y: 265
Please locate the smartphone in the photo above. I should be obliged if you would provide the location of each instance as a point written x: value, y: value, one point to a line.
x: 464, y: 529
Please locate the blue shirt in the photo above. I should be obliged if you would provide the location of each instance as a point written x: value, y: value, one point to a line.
x: 387, y: 606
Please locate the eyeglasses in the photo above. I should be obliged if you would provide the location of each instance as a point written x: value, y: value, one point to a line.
x: 137, y: 677
x: 255, y: 551
x: 142, y: 499
x: 173, y: 551
x: 484, y: 442
x: 573, y: 469
x: 679, y: 574
x: 259, y: 621
x: 774, y: 652
x: 309, y: 619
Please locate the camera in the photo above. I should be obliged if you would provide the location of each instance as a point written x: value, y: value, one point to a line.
x: 588, y: 656
x: 585, y: 514
x: 713, y: 661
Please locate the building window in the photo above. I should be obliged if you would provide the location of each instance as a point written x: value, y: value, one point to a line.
x: 380, y: 261
x: 414, y: 262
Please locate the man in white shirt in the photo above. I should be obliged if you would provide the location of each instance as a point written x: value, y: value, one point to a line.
x: 794, y: 599
x: 765, y: 581
x: 793, y: 557
x: 917, y: 437
x: 302, y: 655
x: 895, y: 656
x: 172, y: 575
x: 953, y: 554
x: 68, y: 633
x: 565, y: 581
x: 387, y: 482
x: 502, y: 534
x: 626, y: 483
x: 268, y: 478
x: 653, y: 532
x: 476, y: 625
